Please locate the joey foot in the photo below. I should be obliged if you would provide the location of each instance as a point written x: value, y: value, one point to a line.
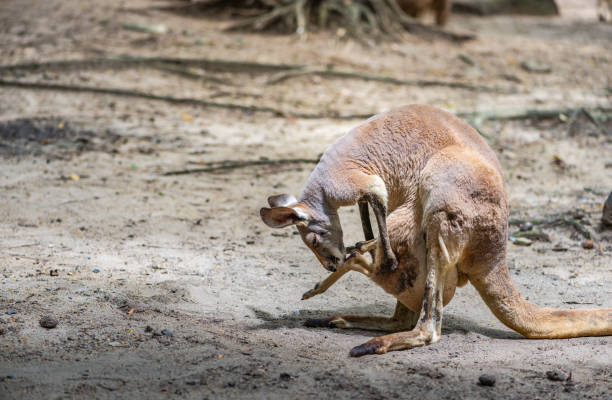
x: 329, y: 322
x: 311, y: 293
x: 362, y: 247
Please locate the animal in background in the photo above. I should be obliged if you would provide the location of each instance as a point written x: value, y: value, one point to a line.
x: 416, y: 8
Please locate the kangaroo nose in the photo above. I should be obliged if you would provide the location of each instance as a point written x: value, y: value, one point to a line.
x: 330, y: 267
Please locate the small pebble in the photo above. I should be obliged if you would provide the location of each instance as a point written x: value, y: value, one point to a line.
x: 486, y: 380
x: 95, y: 271
x: 148, y: 328
x: 588, y: 244
x: 11, y: 312
x: 285, y: 376
x: 521, y: 241
x: 166, y: 332
x: 556, y: 376
x: 48, y: 322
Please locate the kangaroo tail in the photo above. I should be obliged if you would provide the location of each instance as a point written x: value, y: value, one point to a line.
x: 505, y: 301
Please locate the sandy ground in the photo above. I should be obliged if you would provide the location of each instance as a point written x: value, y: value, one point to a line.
x: 171, y: 286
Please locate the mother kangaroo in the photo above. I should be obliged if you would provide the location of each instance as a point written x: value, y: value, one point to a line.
x: 439, y: 197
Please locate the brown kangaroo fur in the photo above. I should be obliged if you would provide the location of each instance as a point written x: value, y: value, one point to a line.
x: 447, y: 223
x: 416, y: 8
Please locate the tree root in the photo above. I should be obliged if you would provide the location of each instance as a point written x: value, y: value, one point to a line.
x: 477, y: 117
x: 362, y: 19
x: 181, y: 66
x: 129, y: 61
x: 229, y: 165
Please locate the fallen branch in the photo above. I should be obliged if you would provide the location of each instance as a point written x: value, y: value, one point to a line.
x: 129, y: 61
x: 229, y: 164
x: 133, y: 93
x: 499, y: 115
x: 284, y: 71
x: 283, y: 76
x: 555, y: 221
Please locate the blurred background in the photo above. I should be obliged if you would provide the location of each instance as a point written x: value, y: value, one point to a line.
x: 138, y: 140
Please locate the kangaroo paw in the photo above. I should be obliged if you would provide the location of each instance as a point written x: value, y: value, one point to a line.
x: 350, y: 255
x: 362, y: 247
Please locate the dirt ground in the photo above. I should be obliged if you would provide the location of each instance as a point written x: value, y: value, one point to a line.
x: 171, y: 286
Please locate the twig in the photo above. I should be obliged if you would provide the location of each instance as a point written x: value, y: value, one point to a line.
x: 98, y: 378
x: 229, y: 164
x: 499, y: 115
x: 594, y: 120
x: 184, y: 72
x: 23, y: 245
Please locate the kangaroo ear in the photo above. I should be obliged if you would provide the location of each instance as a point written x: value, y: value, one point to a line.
x: 282, y: 200
x: 279, y: 217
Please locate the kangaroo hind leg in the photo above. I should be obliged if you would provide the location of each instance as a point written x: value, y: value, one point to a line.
x: 442, y: 254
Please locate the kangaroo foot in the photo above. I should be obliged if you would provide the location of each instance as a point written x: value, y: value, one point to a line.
x: 395, y: 341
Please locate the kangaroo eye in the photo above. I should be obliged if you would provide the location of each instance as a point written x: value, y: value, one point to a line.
x: 312, y: 239
x: 315, y: 240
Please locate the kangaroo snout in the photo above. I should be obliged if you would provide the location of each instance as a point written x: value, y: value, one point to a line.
x: 333, y: 264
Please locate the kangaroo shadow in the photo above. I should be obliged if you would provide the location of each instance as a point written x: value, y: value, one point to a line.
x: 450, y: 323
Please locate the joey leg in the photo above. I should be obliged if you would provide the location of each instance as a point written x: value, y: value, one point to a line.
x: 388, y: 260
x: 368, y: 232
x: 402, y: 319
x: 352, y: 264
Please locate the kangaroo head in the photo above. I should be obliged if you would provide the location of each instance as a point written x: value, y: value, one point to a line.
x: 320, y: 231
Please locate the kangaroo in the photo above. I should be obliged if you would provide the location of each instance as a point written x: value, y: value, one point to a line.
x: 416, y: 8
x: 441, y: 189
